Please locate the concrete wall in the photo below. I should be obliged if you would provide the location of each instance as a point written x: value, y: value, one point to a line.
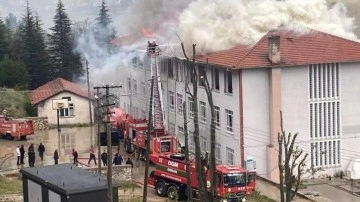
x: 81, y: 112
x: 120, y: 172
x: 256, y: 98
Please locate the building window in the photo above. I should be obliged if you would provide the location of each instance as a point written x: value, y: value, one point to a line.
x: 143, y: 89
x: 217, y: 116
x: 324, y: 106
x: 229, y: 120
x: 179, y: 103
x: 171, y: 101
x: 129, y: 85
x: 202, y: 74
x: 191, y: 107
x: 135, y: 87
x: 136, y: 112
x: 218, y: 153
x: 229, y: 156
x: 325, y: 153
x: 143, y: 114
x: 67, y: 112
x: 172, y: 128
x: 179, y: 70
x: 228, y: 82
x: 215, y: 79
x: 203, y: 144
x: 191, y: 142
x: 170, y: 69
x: 202, y: 111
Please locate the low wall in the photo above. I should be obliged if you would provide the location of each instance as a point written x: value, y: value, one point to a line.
x: 40, y: 123
x: 120, y: 173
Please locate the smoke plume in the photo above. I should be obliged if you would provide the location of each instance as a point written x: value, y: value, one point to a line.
x: 218, y: 25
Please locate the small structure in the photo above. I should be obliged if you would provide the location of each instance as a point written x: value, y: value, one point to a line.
x: 64, y: 183
x: 69, y: 99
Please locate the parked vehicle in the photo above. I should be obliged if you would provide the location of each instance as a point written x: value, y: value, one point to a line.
x: 15, y: 128
x: 169, y: 178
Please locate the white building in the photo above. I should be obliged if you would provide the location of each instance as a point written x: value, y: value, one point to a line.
x: 76, y: 110
x: 312, y: 77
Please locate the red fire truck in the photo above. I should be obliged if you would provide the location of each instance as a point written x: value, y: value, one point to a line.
x: 169, y: 178
x: 15, y: 128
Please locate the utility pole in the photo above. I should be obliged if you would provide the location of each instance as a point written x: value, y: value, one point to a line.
x: 148, y: 141
x: 98, y: 127
x: 109, y: 146
x: 88, y: 86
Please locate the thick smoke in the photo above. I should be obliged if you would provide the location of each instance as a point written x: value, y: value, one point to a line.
x: 218, y: 25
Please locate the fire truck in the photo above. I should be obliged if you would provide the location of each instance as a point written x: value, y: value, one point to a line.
x: 135, y: 130
x: 169, y: 178
x: 15, y: 128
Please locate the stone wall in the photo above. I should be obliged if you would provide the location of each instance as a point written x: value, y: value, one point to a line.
x: 120, y: 173
x: 40, y: 123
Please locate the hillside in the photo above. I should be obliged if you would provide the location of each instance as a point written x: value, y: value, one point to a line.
x: 13, y: 102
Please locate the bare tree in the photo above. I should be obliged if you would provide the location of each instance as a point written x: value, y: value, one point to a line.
x: 293, y: 166
x: 212, y: 165
x: 199, y: 166
x: 187, y: 160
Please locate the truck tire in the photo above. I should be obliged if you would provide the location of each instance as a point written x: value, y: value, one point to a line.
x: 161, y: 188
x: 9, y: 136
x: 173, y: 192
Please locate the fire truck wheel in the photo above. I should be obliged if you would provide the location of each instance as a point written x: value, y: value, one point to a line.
x: 9, y: 137
x: 160, y: 188
x: 172, y: 192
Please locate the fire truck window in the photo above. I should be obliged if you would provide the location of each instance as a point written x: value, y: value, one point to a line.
x: 234, y: 179
x: 165, y: 147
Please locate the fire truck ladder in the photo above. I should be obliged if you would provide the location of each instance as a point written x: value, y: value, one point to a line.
x: 153, y: 52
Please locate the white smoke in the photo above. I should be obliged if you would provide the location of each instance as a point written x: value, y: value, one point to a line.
x: 218, y: 25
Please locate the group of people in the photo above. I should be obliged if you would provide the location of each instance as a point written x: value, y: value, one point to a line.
x: 20, y: 153
x: 118, y: 159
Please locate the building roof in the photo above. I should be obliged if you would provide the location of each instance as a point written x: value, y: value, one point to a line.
x: 55, y: 87
x: 66, y: 178
x: 296, y: 48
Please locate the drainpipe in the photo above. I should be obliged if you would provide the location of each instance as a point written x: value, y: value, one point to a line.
x: 241, y: 121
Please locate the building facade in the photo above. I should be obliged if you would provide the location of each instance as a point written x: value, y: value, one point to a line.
x: 311, y: 77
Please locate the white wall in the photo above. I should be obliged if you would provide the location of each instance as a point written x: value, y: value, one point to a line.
x: 350, y: 113
x: 81, y: 112
x: 256, y: 116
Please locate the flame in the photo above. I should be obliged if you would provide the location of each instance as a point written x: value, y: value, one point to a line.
x: 148, y: 32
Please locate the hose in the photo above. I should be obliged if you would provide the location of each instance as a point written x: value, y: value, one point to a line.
x: 6, y: 157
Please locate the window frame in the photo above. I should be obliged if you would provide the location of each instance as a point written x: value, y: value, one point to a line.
x: 229, y: 120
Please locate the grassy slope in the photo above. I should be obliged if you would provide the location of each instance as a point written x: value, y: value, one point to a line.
x: 10, y: 185
x: 12, y: 101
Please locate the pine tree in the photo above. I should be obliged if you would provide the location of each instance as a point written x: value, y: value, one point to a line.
x: 13, y: 73
x: 4, y: 39
x: 29, y: 46
x: 104, y: 32
x: 66, y: 63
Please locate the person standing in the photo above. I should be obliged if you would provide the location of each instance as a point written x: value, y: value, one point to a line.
x: 75, y: 155
x: 41, y: 150
x: 104, y: 158
x: 116, y: 160
x: 56, y: 156
x: 31, y: 154
x: 92, y: 155
x: 22, y: 154
x: 18, y: 155
x: 129, y: 162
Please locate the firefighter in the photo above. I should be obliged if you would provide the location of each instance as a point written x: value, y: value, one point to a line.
x: 104, y: 157
x: 41, y: 150
x: 92, y: 155
x: 31, y: 154
x: 22, y: 154
x: 75, y: 155
x: 56, y: 157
